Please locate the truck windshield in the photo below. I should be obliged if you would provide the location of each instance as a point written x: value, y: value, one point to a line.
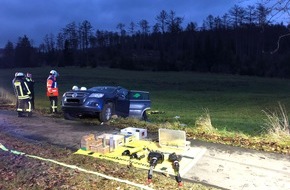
x: 103, y: 89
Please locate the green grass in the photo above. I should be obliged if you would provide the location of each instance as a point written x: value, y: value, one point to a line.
x: 235, y: 103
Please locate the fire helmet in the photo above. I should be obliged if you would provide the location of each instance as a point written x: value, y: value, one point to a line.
x: 54, y: 73
x: 29, y: 75
x: 75, y: 88
x: 19, y: 74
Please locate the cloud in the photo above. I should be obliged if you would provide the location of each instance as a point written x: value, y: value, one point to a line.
x: 36, y: 18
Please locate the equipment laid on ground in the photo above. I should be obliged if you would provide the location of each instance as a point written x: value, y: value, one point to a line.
x: 133, y: 152
x: 154, y: 158
x: 170, y: 155
x: 139, y: 133
x: 138, y: 155
x: 173, y: 138
x: 175, y: 159
x: 126, y: 153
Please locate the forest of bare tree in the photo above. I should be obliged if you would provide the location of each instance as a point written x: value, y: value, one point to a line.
x: 245, y: 41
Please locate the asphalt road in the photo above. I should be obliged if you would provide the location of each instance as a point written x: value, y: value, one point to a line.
x: 225, y: 167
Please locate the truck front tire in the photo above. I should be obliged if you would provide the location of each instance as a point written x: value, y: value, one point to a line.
x: 106, y: 113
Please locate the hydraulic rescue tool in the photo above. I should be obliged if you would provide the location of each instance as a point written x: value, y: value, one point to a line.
x: 154, y: 158
x: 134, y: 153
x: 138, y: 155
x: 175, y: 159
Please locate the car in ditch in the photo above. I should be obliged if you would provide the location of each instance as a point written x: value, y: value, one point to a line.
x: 104, y: 102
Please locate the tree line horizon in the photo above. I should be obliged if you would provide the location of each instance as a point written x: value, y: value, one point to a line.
x: 244, y: 41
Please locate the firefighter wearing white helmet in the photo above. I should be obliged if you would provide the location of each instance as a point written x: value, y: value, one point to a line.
x: 23, y: 95
x: 52, y: 90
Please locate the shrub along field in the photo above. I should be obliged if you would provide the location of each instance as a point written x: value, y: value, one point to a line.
x: 235, y: 104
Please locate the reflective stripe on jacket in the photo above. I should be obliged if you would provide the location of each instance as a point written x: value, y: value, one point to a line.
x: 21, y: 89
x: 51, y: 86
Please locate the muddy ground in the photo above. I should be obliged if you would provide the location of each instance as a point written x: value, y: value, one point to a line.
x: 50, y: 128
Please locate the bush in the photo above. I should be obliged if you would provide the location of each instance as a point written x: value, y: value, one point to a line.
x: 203, y: 123
x: 6, y: 97
x: 277, y: 123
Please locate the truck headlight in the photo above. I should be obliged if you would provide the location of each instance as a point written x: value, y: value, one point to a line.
x: 96, y: 95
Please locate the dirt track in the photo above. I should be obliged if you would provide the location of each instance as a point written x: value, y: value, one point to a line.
x: 49, y: 129
x: 226, y: 167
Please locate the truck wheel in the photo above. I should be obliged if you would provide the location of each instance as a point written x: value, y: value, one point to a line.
x: 106, y: 113
x: 69, y: 116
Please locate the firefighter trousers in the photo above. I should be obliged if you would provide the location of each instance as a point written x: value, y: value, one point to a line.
x: 24, y: 106
x: 53, y: 104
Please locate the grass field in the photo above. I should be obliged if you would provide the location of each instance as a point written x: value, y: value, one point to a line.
x: 235, y: 103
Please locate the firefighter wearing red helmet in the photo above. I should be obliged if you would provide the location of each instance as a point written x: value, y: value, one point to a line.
x: 52, y: 90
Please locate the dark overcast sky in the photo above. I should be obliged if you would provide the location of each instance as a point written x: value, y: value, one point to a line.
x: 36, y: 18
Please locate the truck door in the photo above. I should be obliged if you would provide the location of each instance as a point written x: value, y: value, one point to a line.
x: 139, y: 102
x: 122, y: 103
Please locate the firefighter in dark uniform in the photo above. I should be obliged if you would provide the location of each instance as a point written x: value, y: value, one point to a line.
x: 30, y: 83
x: 52, y: 90
x: 23, y: 95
